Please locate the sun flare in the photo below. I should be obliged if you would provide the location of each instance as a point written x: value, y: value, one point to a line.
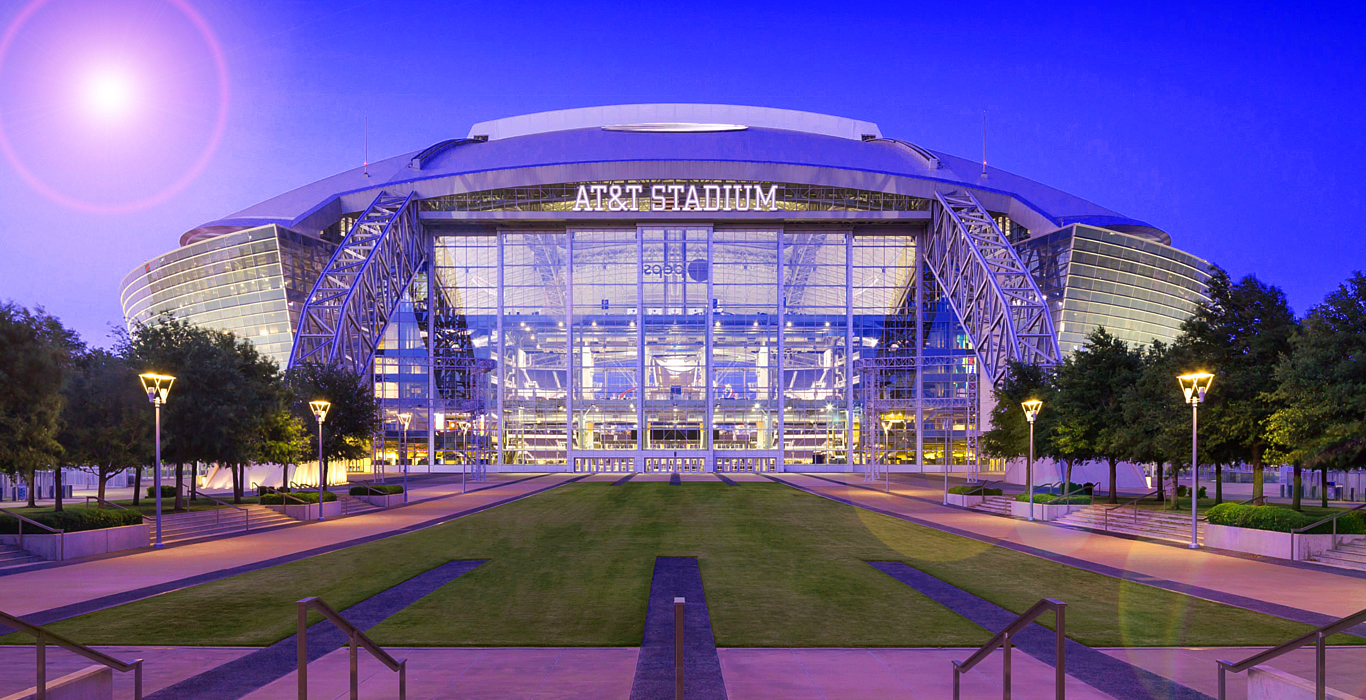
x: 109, y: 94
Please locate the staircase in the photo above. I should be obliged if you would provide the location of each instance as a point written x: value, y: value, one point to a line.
x: 355, y: 506
x: 179, y: 527
x: 11, y: 555
x: 1169, y: 525
x: 1346, y: 556
x: 997, y: 505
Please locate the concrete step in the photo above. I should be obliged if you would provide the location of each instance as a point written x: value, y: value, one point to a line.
x: 1157, y: 525
x: 1335, y: 559
x: 1345, y: 554
x: 1000, y: 505
x: 11, y: 555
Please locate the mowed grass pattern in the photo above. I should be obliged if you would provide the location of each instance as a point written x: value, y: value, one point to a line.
x: 572, y: 567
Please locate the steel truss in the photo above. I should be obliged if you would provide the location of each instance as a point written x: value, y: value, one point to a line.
x: 995, y: 298
x: 887, y: 385
x: 345, y: 315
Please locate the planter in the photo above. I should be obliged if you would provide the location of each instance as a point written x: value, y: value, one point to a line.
x: 1266, y: 683
x: 964, y: 500
x: 1043, y: 511
x: 1268, y: 543
x: 90, y: 683
x: 331, y: 509
x: 71, y: 545
x: 385, y: 501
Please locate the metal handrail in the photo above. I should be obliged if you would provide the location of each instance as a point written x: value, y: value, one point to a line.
x: 1300, y: 530
x: 61, y: 540
x: 982, y: 487
x: 1002, y: 640
x: 1320, y: 654
x: 44, y: 636
x: 217, y: 517
x: 1134, y: 501
x: 358, y: 639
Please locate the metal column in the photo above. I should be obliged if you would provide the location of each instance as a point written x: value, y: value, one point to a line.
x: 431, y: 352
x: 849, y: 350
x: 569, y: 349
x: 920, y: 354
x: 640, y: 348
x: 502, y: 356
x: 782, y: 333
x: 707, y: 435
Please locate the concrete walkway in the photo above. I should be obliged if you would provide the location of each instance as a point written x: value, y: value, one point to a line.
x: 1322, y: 592
x: 124, y: 578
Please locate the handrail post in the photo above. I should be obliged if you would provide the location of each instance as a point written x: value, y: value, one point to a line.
x: 955, y: 681
x: 1060, y: 622
x: 355, y: 672
x: 1005, y: 667
x: 137, y: 680
x: 1222, y: 669
x: 1321, y: 668
x: 40, y: 651
x: 679, y: 604
x: 302, y: 636
x: 403, y: 680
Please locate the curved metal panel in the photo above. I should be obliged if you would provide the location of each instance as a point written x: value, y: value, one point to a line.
x: 359, y: 290
x: 996, y: 300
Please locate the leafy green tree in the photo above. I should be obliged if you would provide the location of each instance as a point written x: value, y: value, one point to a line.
x: 1240, y: 335
x: 1152, y: 432
x: 1008, y: 435
x: 1320, y: 421
x: 107, y: 423
x: 1091, y: 385
x: 352, y: 419
x: 36, y: 353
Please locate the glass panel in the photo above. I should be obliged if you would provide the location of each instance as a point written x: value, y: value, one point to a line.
x: 675, y: 266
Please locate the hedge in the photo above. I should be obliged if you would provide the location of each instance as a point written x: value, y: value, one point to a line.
x: 279, y: 499
x: 1076, y: 499
x: 1280, y: 519
x: 1059, y: 489
x: 970, y: 490
x: 377, y: 490
x: 166, y: 492
x: 72, y: 520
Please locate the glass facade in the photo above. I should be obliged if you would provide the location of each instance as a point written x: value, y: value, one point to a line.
x: 252, y: 282
x: 1137, y: 289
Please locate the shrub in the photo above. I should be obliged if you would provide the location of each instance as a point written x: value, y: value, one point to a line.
x: 388, y: 489
x: 1070, y: 487
x: 1055, y: 500
x: 1182, y: 491
x: 966, y: 489
x: 1280, y: 519
x: 279, y: 499
x: 166, y: 492
x: 73, y: 520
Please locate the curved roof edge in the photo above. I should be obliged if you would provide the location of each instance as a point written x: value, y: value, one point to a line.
x: 680, y: 113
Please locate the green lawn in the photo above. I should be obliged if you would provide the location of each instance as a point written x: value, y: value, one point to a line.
x: 572, y: 567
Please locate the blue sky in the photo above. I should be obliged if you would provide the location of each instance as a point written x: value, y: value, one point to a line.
x: 1236, y: 129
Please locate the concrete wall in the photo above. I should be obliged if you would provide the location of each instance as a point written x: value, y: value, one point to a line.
x: 84, y: 543
x: 90, y: 683
x: 1270, y: 544
x: 1266, y: 683
x: 1046, y: 471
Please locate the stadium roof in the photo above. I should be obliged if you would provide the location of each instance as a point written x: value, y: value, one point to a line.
x: 678, y: 141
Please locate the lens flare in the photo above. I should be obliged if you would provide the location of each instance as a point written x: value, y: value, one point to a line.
x: 109, y: 95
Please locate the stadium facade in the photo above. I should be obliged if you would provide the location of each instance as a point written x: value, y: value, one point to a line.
x: 675, y: 288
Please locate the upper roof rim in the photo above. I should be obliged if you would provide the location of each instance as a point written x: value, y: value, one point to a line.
x: 679, y: 113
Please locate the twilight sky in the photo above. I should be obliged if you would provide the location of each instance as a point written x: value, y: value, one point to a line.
x: 125, y: 123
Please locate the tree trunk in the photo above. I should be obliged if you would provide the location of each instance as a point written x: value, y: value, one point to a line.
x: 1218, y: 484
x: 104, y: 479
x: 194, y: 482
x: 1323, y: 486
x: 1258, y: 478
x: 137, y: 485
x: 179, y: 486
x: 236, y: 480
x: 1161, y: 487
x: 1114, y: 476
x: 1296, y: 489
x: 32, y: 477
x: 322, y: 475
x: 57, y: 488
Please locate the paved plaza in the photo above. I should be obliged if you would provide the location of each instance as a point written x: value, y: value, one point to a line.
x: 1304, y: 593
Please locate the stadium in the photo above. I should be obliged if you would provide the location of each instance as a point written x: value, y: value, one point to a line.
x: 675, y: 287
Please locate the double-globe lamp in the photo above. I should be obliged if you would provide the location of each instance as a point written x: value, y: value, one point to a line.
x: 158, y: 387
x: 406, y: 419
x: 1194, y: 385
x: 320, y: 412
x: 1031, y: 410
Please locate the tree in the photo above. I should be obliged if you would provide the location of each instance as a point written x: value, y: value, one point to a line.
x: 1320, y: 421
x: 1008, y: 436
x: 35, y: 362
x: 107, y: 423
x: 1240, y: 335
x: 1091, y: 386
x: 352, y: 419
x: 282, y: 440
x: 1152, y: 432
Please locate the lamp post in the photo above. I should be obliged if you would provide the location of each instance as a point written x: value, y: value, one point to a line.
x: 404, y: 419
x: 320, y: 412
x: 158, y: 387
x: 1031, y: 409
x: 1194, y: 385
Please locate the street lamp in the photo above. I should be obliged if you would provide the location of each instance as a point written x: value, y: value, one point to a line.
x: 157, y: 386
x: 1194, y: 385
x: 320, y: 412
x: 405, y: 419
x: 1031, y: 409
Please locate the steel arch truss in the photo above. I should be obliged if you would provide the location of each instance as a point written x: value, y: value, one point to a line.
x: 996, y: 300
x: 358, y: 292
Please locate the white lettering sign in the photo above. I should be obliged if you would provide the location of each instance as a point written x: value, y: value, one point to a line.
x: 674, y: 197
